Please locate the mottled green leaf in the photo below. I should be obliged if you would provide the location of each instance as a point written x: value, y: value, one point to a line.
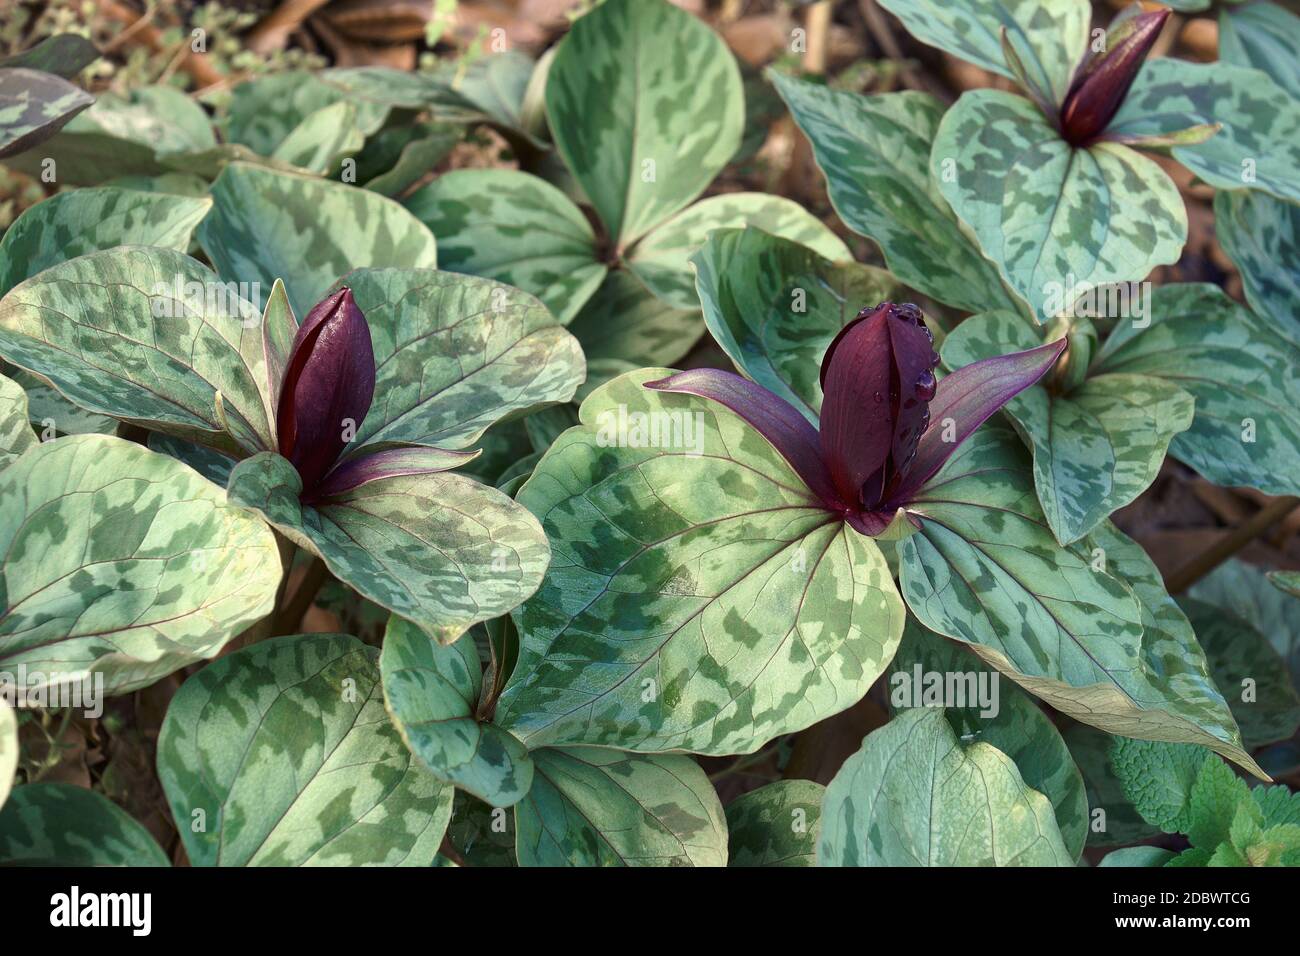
x: 283, y: 753
x: 1243, y: 374
x: 1053, y: 217
x: 1112, y: 818
x: 1048, y: 35
x: 700, y: 598
x: 89, y: 220
x: 494, y: 86
x: 1007, y: 719
x: 590, y: 806
x: 57, y: 824
x: 916, y: 795
x: 432, y: 694
x: 875, y: 154
x: 1262, y: 237
x: 64, y: 54
x: 625, y: 322
x: 51, y: 414
x: 321, y: 140
x: 484, y: 835
x: 662, y: 259
x: 1258, y: 146
x: 123, y: 562
x: 775, y: 825
x: 439, y: 549
x: 1264, y: 36
x: 456, y: 353
x: 144, y: 334
x: 1096, y: 447
x: 774, y: 305
x: 16, y: 435
x: 34, y: 106
x: 267, y: 225
x: 511, y: 226
x: 265, y: 111
x: 423, y: 146
x: 1089, y: 629
x: 643, y: 124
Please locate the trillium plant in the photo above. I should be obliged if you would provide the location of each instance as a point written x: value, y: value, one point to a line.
x: 481, y: 464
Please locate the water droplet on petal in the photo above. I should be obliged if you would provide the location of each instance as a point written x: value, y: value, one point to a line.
x: 934, y: 359
x: 878, y: 397
x: 926, y: 386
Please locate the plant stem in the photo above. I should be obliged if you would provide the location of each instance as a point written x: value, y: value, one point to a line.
x: 1230, y: 543
x: 288, y: 618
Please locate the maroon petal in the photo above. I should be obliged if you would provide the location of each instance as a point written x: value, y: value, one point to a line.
x: 1103, y: 80
x: 968, y: 397
x: 410, y: 460
x: 777, y: 420
x: 329, y: 381
x: 857, y: 427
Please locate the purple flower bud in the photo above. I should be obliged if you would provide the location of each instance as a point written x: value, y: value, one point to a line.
x: 328, y: 385
x: 1103, y: 79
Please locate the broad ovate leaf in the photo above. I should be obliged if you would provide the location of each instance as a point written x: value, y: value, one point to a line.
x: 1089, y: 629
x: 1258, y: 143
x: 1048, y: 36
x: 1050, y: 216
x: 147, y: 335
x: 774, y: 306
x: 663, y: 258
x: 917, y: 795
x: 994, y: 712
x: 1097, y: 446
x: 1242, y: 372
x: 432, y: 693
x: 267, y: 225
x: 123, y: 562
x: 74, y: 223
x: 16, y: 435
x: 284, y: 751
x: 438, y: 549
x: 626, y: 324
x: 699, y: 598
x: 643, y: 125
x: 455, y: 353
x: 1261, y: 235
x: 875, y: 152
x: 64, y: 54
x: 775, y: 825
x: 591, y: 806
x: 1265, y: 36
x: 34, y: 106
x: 515, y: 227
x: 266, y: 111
x: 58, y: 824
x: 320, y: 141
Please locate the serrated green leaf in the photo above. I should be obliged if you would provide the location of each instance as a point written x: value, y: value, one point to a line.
x: 438, y: 549
x: 1262, y: 237
x: 432, y: 693
x: 626, y: 323
x: 515, y: 227
x: 267, y: 225
x: 1053, y: 217
x: 875, y: 153
x: 16, y: 435
x: 643, y: 126
x: 663, y: 258
x: 1113, y: 820
x: 1215, y: 797
x: 1012, y: 722
x: 1244, y: 376
x: 285, y: 754
x: 775, y: 825
x: 147, y: 335
x: 455, y: 353
x: 34, y: 106
x: 1158, y: 777
x: 57, y: 824
x: 1258, y: 146
x: 774, y: 306
x: 590, y: 806
x: 89, y: 220
x: 1096, y: 447
x: 123, y: 562
x: 1049, y: 35
x: 696, y: 601
x: 1089, y: 629
x: 914, y: 795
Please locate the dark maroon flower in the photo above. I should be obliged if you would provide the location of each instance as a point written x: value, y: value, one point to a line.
x: 1103, y: 79
x: 886, y: 425
x: 329, y: 382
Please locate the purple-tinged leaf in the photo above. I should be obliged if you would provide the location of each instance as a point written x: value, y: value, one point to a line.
x: 412, y: 460
x: 775, y: 419
x: 966, y: 399
x: 1103, y: 80
x: 328, y: 386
